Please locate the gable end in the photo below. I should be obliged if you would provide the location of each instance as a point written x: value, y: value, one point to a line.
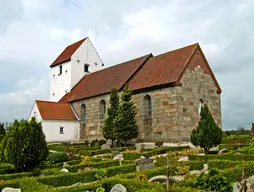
x: 198, y: 59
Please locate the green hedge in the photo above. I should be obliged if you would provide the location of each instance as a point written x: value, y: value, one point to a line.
x: 231, y: 157
x: 132, y: 185
x: 242, y: 139
x: 57, y: 157
x: 162, y: 150
x: 84, y: 177
x: 73, y: 162
x: 131, y: 156
x: 6, y: 168
x: 102, y: 151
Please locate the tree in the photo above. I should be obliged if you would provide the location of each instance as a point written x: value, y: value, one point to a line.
x: 207, y: 133
x: 125, y: 121
x: 24, y: 145
x: 2, y: 131
x: 109, y: 126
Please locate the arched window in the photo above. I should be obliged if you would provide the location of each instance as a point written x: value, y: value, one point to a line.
x: 83, y: 113
x: 147, y: 106
x: 102, y: 109
x: 200, y: 105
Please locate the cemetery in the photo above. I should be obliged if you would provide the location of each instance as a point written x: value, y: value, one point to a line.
x: 82, y: 167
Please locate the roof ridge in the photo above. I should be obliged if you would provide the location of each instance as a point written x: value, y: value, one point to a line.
x: 187, y: 46
x: 124, y: 62
x: 108, y: 68
x: 76, y: 42
x: 61, y: 102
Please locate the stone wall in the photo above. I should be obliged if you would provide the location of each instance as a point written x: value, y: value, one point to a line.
x: 175, y: 110
x: 92, y: 127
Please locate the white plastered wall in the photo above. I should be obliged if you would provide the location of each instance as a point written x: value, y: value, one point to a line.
x: 85, y: 54
x: 60, y: 84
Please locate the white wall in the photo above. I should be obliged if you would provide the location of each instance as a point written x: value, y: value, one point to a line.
x: 59, y: 84
x: 35, y: 113
x: 51, y: 129
x: 86, y: 54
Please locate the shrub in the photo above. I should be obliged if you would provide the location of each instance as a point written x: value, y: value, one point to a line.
x: 158, y: 143
x: 102, y: 142
x: 94, y: 143
x: 58, y: 157
x: 213, y: 181
x: 131, y: 156
x: 182, y: 170
x: 36, y: 172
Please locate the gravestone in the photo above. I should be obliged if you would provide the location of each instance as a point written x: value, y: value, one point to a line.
x: 64, y: 170
x: 105, y: 146
x: 118, y: 188
x: 144, y: 164
x: 9, y: 189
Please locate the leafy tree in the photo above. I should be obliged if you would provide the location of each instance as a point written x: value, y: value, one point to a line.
x: 24, y: 145
x: 2, y: 131
x: 109, y: 126
x: 125, y: 121
x: 207, y: 134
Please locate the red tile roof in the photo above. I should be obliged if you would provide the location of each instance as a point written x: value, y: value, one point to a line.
x: 163, y: 69
x: 103, y: 81
x: 65, y: 98
x: 67, y: 53
x: 55, y: 111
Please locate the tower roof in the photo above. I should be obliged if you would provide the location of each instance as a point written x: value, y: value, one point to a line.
x: 67, y: 53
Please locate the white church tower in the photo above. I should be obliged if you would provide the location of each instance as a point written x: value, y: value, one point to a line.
x: 77, y: 60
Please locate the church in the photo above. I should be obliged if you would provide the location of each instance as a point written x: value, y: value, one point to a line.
x: 168, y: 92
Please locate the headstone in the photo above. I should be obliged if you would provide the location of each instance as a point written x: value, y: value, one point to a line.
x: 118, y: 157
x: 64, y: 170
x: 222, y: 151
x: 118, y: 188
x: 115, y: 153
x: 9, y: 189
x: 205, y: 167
x: 184, y: 159
x: 144, y: 164
x: 105, y: 146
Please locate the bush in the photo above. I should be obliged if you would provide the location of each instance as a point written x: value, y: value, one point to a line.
x: 213, y: 181
x: 158, y: 143
x: 36, y: 172
x: 182, y: 170
x: 94, y: 143
x: 102, y: 142
x: 58, y: 157
x: 131, y: 156
x: 6, y: 168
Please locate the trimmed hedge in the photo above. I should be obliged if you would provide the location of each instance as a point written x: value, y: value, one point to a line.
x: 131, y: 156
x: 231, y: 157
x: 103, y: 151
x: 132, y: 185
x: 73, y: 162
x: 6, y: 168
x: 84, y: 177
x: 58, y: 157
x: 162, y: 150
x: 239, y: 139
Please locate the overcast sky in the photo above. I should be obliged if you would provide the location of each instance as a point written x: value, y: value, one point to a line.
x: 34, y: 32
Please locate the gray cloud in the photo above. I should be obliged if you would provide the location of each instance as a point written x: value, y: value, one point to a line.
x: 37, y: 31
